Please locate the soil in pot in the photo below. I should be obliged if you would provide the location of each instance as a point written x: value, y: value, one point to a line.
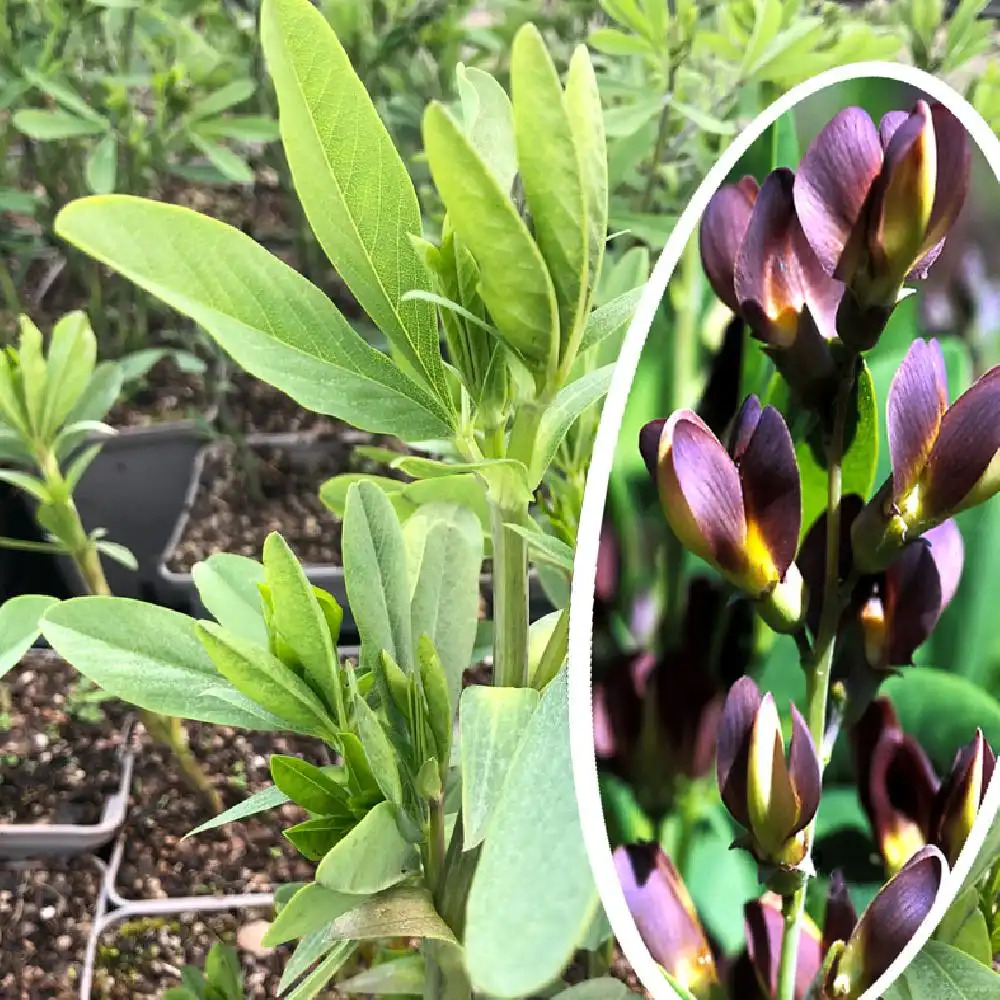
x: 58, y: 749
x: 46, y: 911
x: 166, y: 393
x: 143, y: 957
x: 244, y: 494
x: 247, y: 856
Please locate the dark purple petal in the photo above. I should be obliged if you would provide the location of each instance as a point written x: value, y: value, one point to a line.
x: 896, y: 783
x: 918, y: 399
x: 772, y: 495
x: 765, y: 930
x: 893, y: 917
x: 954, y: 165
x: 804, y: 770
x: 664, y: 914
x: 968, y: 442
x: 723, y: 227
x: 744, y: 424
x: 922, y: 266
x: 778, y: 276
x: 918, y: 587
x: 961, y: 794
x: 841, y: 917
x: 903, y: 196
x: 702, y: 494
x: 732, y: 760
x: 831, y: 188
x: 649, y: 444
x: 887, y: 127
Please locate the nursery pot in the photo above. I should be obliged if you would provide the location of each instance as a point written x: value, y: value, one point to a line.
x: 135, y: 489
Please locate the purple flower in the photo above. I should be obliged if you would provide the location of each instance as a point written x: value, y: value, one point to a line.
x: 945, y: 459
x: 773, y: 796
x: 896, y: 784
x: 739, y: 508
x: 960, y: 796
x: 665, y: 915
x: 891, y: 920
x: 876, y: 204
x: 761, y: 265
x: 765, y: 930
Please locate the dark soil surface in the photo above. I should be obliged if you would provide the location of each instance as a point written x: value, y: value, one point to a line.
x: 165, y: 394
x: 245, y: 494
x: 143, y: 957
x: 248, y: 856
x: 45, y: 918
x: 254, y: 407
x: 58, y: 757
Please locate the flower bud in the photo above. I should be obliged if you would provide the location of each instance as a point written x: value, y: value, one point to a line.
x: 960, y: 796
x: 738, y: 509
x: 665, y: 916
x: 896, y: 784
x: 945, y: 459
x: 773, y: 796
x: 876, y: 204
x: 887, y: 926
x: 765, y: 930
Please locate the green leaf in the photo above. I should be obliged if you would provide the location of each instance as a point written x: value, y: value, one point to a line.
x: 785, y: 142
x: 403, y: 976
x: 228, y: 96
x: 546, y: 548
x: 860, y: 456
x: 264, y: 679
x: 228, y: 586
x: 942, y: 711
x: 489, y: 122
x: 46, y: 126
x: 262, y: 801
x: 610, y: 318
x: 533, y: 896
x: 273, y: 322
x: 506, y: 478
x: 604, y: 988
x: 116, y: 552
x: 403, y: 911
x: 308, y: 950
x: 514, y: 282
x: 19, y: 626
x: 562, y: 413
x: 102, y: 165
x: 33, y: 371
x: 378, y: 751
x: 311, y: 908
x: 444, y: 555
x: 550, y: 172
x: 964, y: 927
x: 310, y: 986
x: 440, y: 706
x: 70, y: 364
x: 491, y: 723
x: 147, y: 656
x: 988, y: 855
x: 375, y: 571
x: 231, y: 165
x: 940, y: 972
x: 298, y: 618
x: 626, y: 821
x: 586, y: 121
x: 314, y: 838
x: 307, y: 785
x: 352, y: 183
x: 242, y: 128
x: 372, y: 857
x: 66, y: 96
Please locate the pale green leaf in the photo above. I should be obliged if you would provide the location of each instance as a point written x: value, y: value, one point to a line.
x: 47, y: 126
x: 228, y: 586
x: 489, y: 122
x: 102, y: 165
x: 19, y: 626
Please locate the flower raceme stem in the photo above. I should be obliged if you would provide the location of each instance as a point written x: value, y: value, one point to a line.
x: 945, y: 459
x: 738, y: 508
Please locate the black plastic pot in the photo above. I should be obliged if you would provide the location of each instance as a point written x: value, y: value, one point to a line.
x: 37, y: 840
x: 135, y: 489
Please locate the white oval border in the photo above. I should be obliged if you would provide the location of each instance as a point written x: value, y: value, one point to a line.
x: 595, y: 833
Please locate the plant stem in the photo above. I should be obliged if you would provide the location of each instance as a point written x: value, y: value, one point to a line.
x: 818, y: 685
x: 510, y: 599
